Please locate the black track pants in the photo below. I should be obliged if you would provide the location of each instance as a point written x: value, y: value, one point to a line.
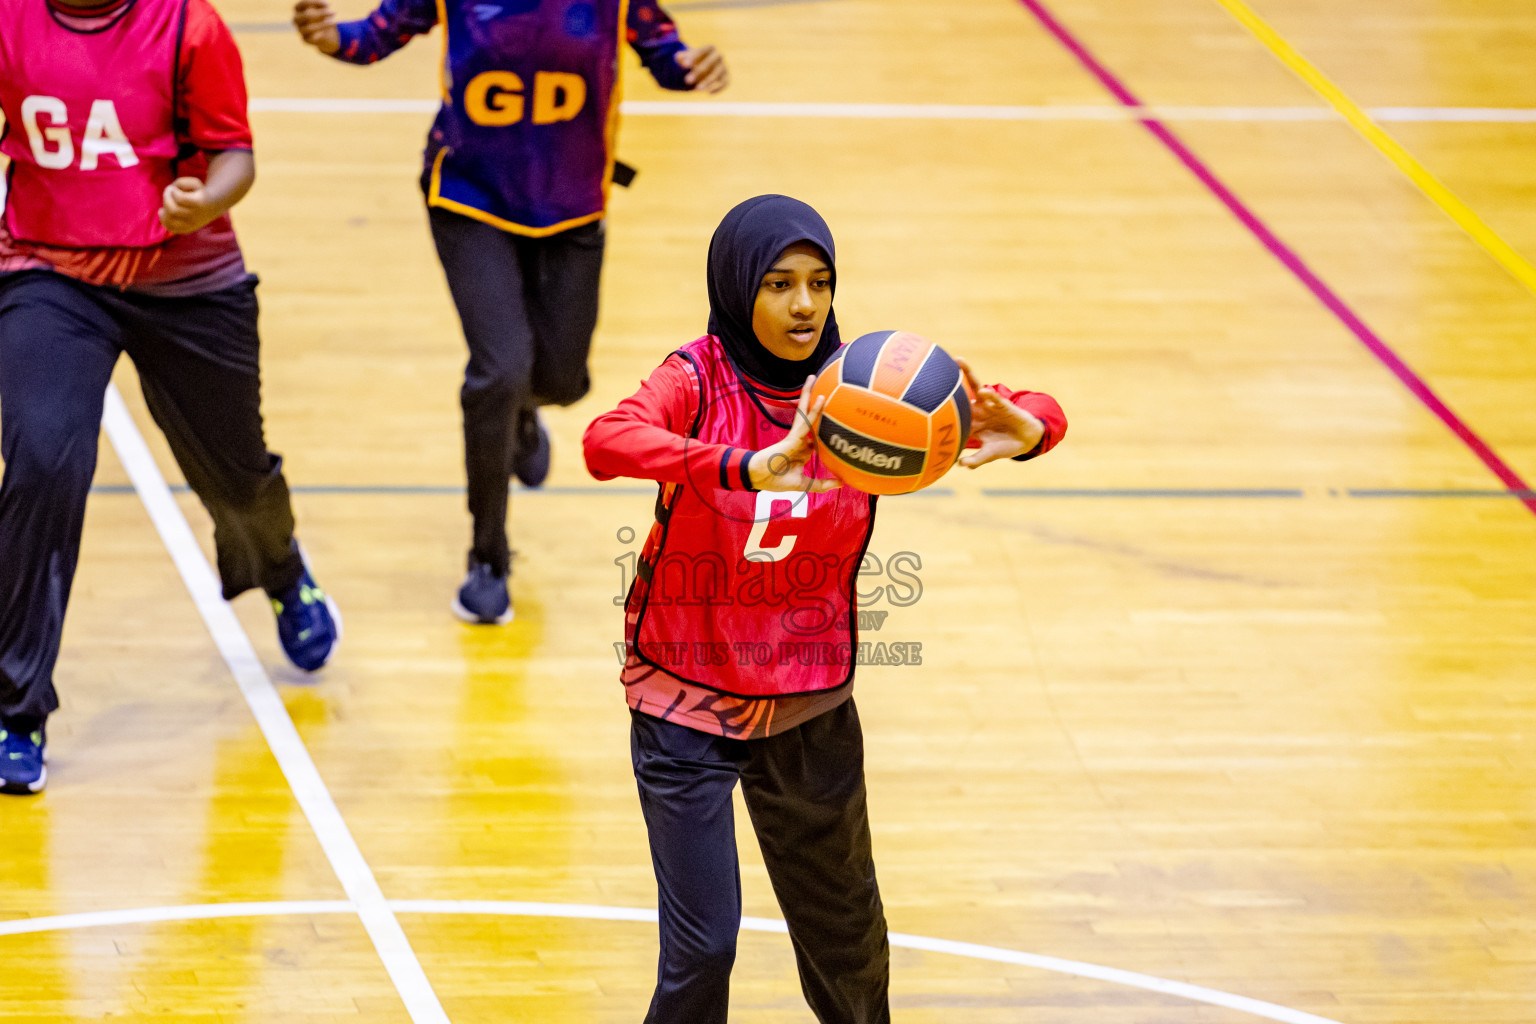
x: 805, y: 794
x: 528, y: 307
x: 197, y: 359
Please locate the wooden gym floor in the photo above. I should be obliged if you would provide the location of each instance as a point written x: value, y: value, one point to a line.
x: 1233, y: 690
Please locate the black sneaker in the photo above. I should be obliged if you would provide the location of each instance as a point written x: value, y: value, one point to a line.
x: 23, y: 767
x: 532, y: 465
x: 483, y: 598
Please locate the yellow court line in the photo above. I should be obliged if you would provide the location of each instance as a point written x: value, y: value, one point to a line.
x: 1438, y: 193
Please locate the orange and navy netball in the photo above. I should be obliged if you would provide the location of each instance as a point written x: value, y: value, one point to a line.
x: 897, y: 414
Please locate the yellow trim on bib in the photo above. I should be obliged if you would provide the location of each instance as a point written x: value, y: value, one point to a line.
x: 436, y: 198
x: 442, y: 66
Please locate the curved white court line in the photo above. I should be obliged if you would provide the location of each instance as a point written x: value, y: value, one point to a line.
x: 157, y: 915
x: 594, y: 912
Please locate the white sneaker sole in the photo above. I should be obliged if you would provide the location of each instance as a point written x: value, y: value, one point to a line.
x: 330, y: 606
x: 465, y: 615
x: 31, y: 787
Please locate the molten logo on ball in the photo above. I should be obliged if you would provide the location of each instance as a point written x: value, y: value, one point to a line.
x: 895, y: 408
x: 863, y: 453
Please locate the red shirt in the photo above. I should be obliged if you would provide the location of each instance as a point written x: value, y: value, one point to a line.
x: 647, y: 437
x: 211, y: 105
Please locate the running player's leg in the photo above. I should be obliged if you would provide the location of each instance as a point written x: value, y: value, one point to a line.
x: 198, y: 359
x: 57, y: 349
x: 686, y: 778
x: 563, y: 310
x: 199, y: 363
x: 562, y: 289
x: 485, y: 277
x: 805, y: 792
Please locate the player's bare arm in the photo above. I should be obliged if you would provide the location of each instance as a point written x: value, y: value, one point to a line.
x: 190, y: 203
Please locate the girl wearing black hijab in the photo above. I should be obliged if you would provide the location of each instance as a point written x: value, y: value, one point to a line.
x: 741, y: 623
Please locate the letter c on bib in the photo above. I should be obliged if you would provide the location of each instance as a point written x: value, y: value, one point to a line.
x: 61, y: 153
x: 799, y: 505
x: 494, y: 99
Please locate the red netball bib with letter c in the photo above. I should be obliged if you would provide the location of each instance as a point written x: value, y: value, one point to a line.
x: 750, y: 593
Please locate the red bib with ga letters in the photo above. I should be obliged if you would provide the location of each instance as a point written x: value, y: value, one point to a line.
x: 90, y: 123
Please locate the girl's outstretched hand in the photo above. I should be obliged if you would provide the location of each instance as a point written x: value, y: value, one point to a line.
x: 706, y: 69
x: 782, y: 467
x: 1003, y: 429
x: 316, y: 23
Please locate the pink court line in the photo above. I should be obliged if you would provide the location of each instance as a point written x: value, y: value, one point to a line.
x: 1287, y: 256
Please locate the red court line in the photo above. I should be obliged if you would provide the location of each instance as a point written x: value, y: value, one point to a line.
x: 1287, y: 256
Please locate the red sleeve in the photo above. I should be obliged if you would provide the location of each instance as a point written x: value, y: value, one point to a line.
x: 211, y: 98
x: 1044, y: 408
x: 647, y: 437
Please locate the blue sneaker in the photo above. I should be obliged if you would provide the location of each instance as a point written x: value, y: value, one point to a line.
x: 308, y: 623
x: 22, y: 761
x: 483, y: 599
x: 532, y: 464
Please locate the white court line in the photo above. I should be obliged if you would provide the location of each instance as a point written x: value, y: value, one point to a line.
x: 293, y: 758
x: 286, y: 105
x: 586, y: 911
x: 934, y: 111
x: 159, y: 915
x: 1077, y: 968
x: 1508, y: 115
x: 879, y: 111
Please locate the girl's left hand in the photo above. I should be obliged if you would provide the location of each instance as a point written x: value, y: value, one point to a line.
x: 316, y: 23
x: 1003, y: 429
x: 786, y: 465
x: 706, y: 69
x: 186, y: 206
